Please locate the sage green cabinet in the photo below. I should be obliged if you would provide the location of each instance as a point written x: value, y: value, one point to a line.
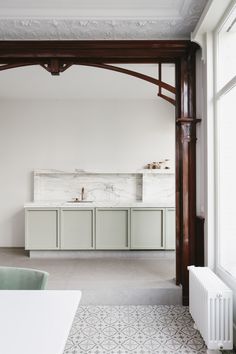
x: 99, y: 228
x: 170, y: 229
x: 147, y: 228
x: 42, y: 229
x: 112, y: 228
x: 77, y: 229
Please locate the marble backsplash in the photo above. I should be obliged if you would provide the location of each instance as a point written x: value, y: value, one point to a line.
x: 52, y: 185
x: 159, y: 187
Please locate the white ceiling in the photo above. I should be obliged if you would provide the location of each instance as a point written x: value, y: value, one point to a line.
x: 99, y: 19
x: 81, y: 83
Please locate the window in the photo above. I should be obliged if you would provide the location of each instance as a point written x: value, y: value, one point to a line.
x: 226, y: 51
x: 225, y: 100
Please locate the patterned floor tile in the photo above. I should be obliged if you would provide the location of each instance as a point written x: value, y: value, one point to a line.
x: 134, y: 330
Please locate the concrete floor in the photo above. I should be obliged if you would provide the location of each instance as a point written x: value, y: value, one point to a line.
x: 108, y: 278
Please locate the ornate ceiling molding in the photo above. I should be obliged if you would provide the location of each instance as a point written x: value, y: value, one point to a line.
x: 82, y: 28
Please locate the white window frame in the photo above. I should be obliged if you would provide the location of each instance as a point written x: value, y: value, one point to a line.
x: 218, y: 93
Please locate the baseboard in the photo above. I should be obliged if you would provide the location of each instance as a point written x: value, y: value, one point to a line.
x: 103, y: 254
x: 11, y: 247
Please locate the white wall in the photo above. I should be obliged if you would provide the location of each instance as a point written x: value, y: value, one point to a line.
x: 94, y: 135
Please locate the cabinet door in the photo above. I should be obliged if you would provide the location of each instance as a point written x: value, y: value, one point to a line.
x: 112, y: 228
x: 147, y: 228
x: 41, y: 229
x: 170, y: 229
x: 77, y: 229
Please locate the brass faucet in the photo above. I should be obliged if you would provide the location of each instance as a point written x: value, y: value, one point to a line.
x: 82, y: 193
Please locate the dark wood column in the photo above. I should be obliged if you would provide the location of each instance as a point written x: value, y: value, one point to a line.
x: 185, y: 167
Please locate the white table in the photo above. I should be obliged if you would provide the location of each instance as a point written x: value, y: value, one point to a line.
x: 36, y: 322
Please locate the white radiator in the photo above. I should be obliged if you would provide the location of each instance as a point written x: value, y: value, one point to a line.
x: 211, y: 307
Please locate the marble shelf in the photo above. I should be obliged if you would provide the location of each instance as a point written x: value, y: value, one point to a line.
x: 42, y: 172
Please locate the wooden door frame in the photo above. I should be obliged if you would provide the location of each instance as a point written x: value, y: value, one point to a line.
x: 57, y: 56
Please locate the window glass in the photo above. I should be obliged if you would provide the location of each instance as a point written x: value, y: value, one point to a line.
x: 227, y: 51
x: 227, y: 181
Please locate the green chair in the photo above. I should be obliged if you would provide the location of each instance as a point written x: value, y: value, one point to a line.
x: 12, y: 278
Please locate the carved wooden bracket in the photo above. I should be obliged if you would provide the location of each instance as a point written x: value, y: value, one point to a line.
x: 158, y: 82
x: 160, y: 94
x: 55, y: 67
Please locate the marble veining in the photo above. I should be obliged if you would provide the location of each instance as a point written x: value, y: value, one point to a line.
x: 98, y: 187
x: 59, y: 187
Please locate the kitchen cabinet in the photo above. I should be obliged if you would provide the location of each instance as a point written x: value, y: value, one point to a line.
x: 112, y: 228
x: 147, y: 228
x: 77, y: 229
x: 42, y: 229
x: 108, y: 228
x: 170, y: 229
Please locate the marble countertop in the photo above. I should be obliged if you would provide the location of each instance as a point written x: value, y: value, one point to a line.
x: 95, y: 204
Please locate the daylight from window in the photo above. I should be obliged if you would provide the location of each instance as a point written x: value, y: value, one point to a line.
x: 226, y: 142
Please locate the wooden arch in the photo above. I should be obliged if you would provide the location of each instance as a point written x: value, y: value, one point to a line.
x: 57, y: 56
x: 56, y: 66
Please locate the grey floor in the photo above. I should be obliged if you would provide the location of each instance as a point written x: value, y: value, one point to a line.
x: 106, y: 278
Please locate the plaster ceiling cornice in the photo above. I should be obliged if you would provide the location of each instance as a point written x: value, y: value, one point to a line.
x: 139, y: 23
